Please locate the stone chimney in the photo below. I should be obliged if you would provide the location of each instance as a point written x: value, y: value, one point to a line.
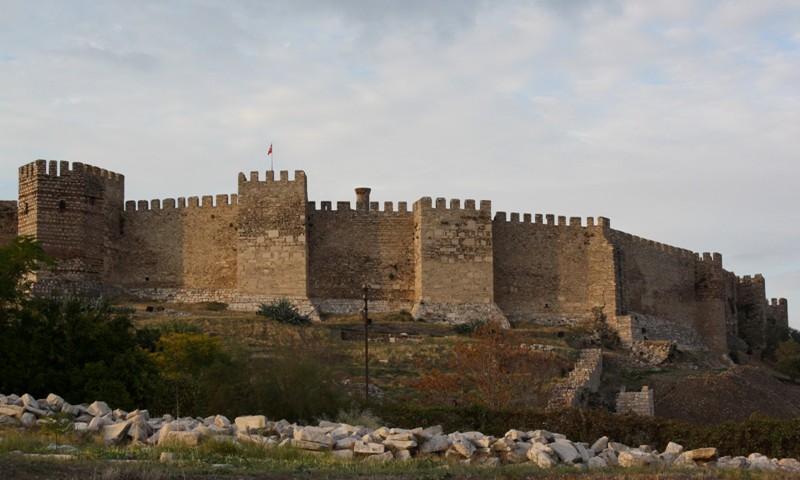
x: 362, y: 198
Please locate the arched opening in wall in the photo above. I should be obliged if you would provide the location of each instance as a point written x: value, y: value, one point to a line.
x: 62, y: 205
x: 25, y: 210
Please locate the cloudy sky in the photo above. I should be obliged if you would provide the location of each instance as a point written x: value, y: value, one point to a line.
x: 679, y: 120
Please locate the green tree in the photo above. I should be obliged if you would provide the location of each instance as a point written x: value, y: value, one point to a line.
x: 21, y: 257
x: 81, y: 349
x: 788, y: 358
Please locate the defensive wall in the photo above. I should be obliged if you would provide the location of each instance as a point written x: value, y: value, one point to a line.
x: 442, y: 260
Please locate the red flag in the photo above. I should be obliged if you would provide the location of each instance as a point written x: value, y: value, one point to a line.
x: 269, y: 152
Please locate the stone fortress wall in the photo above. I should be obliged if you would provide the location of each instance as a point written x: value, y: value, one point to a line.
x: 442, y: 261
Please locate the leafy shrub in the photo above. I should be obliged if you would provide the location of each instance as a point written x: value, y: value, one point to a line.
x: 468, y: 328
x: 283, y: 311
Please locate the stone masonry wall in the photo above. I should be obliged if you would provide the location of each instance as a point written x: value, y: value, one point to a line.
x: 350, y: 248
x: 640, y: 403
x: 454, y: 261
x: 752, y: 306
x: 272, y: 242
x: 8, y: 221
x: 75, y: 214
x: 655, y: 279
x: 544, y: 270
x: 778, y: 312
x: 444, y: 263
x: 584, y: 377
x: 178, y: 243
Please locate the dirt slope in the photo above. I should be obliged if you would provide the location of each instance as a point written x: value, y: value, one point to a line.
x: 717, y: 396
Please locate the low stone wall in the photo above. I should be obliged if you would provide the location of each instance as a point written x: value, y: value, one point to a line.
x: 584, y: 378
x: 636, y: 327
x: 640, y: 403
x: 535, y: 447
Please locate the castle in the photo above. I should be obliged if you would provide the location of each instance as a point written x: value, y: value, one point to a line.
x: 441, y: 261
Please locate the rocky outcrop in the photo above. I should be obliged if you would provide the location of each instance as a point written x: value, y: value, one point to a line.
x: 538, y: 447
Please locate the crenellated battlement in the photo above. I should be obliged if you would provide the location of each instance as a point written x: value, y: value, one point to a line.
x: 549, y: 220
x: 171, y: 204
x: 374, y: 208
x: 751, y: 280
x: 55, y: 168
x: 283, y: 178
x: 443, y: 259
x: 708, y: 258
x: 663, y: 247
x: 484, y: 206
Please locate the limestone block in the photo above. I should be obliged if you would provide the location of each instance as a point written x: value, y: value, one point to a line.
x: 222, y: 421
x: 585, y: 452
x: 503, y: 445
x: 381, y: 457
x: 309, y: 445
x: 464, y: 447
x: 54, y: 402
x: 29, y: 401
x: 519, y: 453
x: 701, y: 454
x: 636, y: 458
x: 541, y: 459
x: 734, y: 463
x: 217, y: 430
x: 9, y: 421
x: 184, y: 437
x: 618, y: 447
x: 399, y: 444
x: 436, y: 443
x: 250, y: 422
x: 342, y: 453
x: 402, y: 455
x: 566, y: 451
x: 98, y: 409
x: 597, y: 462
x: 12, y: 411
x: 138, y: 432
x: 315, y: 434
x: 368, y: 448
x: 761, y: 462
x: 115, y: 433
x: 403, y: 437
x: 610, y: 456
x: 38, y: 412
x: 142, y: 414
x: 28, y: 419
x: 346, y: 443
x: 516, y: 435
x: 599, y: 445
x: 434, y: 430
x: 97, y: 423
x: 789, y: 464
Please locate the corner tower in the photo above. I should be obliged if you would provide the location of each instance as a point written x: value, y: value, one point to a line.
x: 76, y: 215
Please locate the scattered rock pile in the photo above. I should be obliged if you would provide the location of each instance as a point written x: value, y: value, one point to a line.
x: 538, y: 447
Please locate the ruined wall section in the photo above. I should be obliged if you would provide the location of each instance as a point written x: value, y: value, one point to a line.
x: 548, y: 271
x: 75, y: 212
x: 187, y: 244
x: 272, y: 256
x: 454, y: 261
x: 8, y: 221
x: 349, y: 248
